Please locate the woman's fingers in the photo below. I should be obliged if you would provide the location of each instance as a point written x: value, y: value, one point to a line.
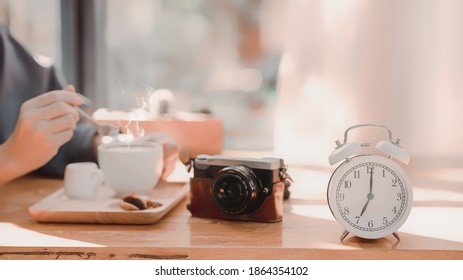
x: 55, y: 96
x: 55, y: 110
x: 59, y: 124
x: 62, y: 137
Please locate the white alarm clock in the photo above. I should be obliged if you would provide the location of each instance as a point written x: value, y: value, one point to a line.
x: 369, y: 195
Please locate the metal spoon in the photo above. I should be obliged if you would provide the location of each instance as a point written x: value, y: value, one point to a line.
x: 103, y: 129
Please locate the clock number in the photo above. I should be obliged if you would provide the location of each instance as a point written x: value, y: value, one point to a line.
x: 399, y: 196
x: 394, y: 210
x: 356, y: 174
x: 384, y: 173
x: 358, y: 219
x: 384, y: 220
x: 370, y: 169
x: 341, y: 197
x: 394, y: 183
x: 370, y: 223
x: 347, y: 184
x: 346, y: 210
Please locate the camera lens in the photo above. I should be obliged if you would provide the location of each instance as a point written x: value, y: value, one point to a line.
x: 236, y: 190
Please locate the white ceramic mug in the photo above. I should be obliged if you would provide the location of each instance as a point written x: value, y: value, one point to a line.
x: 82, y: 180
x: 135, y: 167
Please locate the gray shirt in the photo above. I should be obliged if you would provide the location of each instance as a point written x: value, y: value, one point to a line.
x: 22, y: 78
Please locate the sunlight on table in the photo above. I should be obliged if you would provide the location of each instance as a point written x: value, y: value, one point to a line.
x: 12, y: 235
x: 433, y: 222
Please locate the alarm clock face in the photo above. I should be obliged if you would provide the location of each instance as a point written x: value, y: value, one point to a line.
x: 370, y: 196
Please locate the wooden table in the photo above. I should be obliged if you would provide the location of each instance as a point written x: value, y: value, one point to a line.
x: 434, y: 229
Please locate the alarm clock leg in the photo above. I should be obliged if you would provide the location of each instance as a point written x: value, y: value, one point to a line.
x: 396, y: 236
x: 343, y: 235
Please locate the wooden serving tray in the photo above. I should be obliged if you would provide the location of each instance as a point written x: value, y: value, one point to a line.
x: 58, y: 208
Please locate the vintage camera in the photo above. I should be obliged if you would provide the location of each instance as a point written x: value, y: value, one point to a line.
x: 237, y: 188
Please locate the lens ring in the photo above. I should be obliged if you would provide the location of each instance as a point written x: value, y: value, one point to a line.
x: 236, y: 190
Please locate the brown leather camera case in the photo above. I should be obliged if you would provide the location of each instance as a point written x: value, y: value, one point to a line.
x: 202, y: 203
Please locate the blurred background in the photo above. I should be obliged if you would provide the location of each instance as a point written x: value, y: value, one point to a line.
x: 287, y: 76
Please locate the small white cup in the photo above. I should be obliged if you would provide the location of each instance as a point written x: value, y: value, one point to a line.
x: 131, y: 168
x: 82, y: 180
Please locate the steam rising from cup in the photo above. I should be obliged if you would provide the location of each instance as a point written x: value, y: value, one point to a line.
x: 152, y: 105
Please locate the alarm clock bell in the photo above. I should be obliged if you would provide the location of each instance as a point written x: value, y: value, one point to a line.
x: 393, y: 150
x: 343, y: 151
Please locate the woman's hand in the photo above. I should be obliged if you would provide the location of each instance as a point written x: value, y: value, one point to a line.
x: 45, y: 123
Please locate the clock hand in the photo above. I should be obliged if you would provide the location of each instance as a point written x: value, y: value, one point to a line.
x: 371, y: 181
x: 364, y: 207
x: 370, y: 195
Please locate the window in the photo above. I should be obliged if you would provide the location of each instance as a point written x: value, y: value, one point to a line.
x: 213, y: 55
